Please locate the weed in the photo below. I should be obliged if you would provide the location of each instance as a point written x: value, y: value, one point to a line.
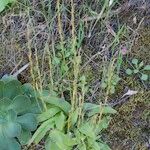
x: 138, y: 68
x: 82, y: 134
x: 17, y: 114
x: 112, y: 83
x: 60, y: 39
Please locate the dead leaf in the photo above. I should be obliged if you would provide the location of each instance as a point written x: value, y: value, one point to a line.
x: 130, y: 93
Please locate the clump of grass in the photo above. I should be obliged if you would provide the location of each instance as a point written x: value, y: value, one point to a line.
x: 62, y: 40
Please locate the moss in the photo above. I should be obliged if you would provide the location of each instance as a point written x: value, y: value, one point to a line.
x: 141, y: 48
x: 129, y: 126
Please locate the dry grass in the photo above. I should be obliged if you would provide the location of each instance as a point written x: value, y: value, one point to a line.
x: 54, y: 35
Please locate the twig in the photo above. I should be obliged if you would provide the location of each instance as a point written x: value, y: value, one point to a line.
x: 124, y: 98
x: 15, y: 68
x: 21, y: 70
x: 91, y: 59
x: 120, y: 101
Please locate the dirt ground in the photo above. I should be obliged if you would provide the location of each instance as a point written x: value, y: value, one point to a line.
x: 130, y: 127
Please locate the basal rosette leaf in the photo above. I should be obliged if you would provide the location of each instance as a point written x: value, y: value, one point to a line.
x: 24, y: 137
x: 12, y: 89
x: 17, y: 114
x: 28, y: 121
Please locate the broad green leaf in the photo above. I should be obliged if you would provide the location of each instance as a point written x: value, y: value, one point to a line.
x: 1, y: 89
x: 28, y: 90
x: 136, y: 70
x: 112, y: 89
x: 11, y: 115
x: 36, y: 106
x: 58, y: 102
x: 108, y: 110
x: 96, y: 146
x: 93, y: 109
x: 104, y: 85
x: 8, y: 78
x: 89, y: 106
x: 20, y: 103
x: 24, y: 137
x: 8, y: 143
x: 56, y: 60
x: 2, y: 120
x: 51, y: 145
x: 135, y: 61
x: 28, y: 121
x: 116, y: 78
x: 90, y: 142
x: 129, y: 71
x: 60, y: 120
x: 87, y: 130
x: 44, y: 93
x: 12, y: 129
x: 12, y: 144
x: 74, y: 117
x: 58, y: 139
x: 79, y: 136
x: 82, y: 146
x: 4, y: 3
x: 103, y: 146
x: 48, y: 114
x: 144, y: 77
x: 62, y: 140
x: 4, y: 104
x: 42, y: 131
x: 141, y: 64
x: 104, y: 123
x: 147, y: 67
x: 12, y: 89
